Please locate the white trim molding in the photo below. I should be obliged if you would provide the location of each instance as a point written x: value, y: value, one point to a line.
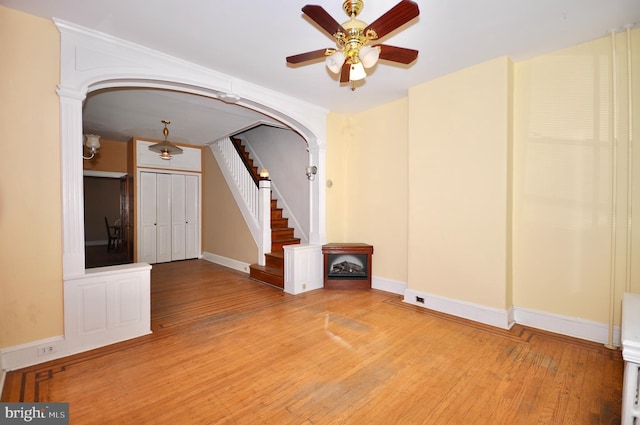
x: 388, y: 285
x: 91, y: 61
x: 33, y: 353
x: 478, y: 313
x: 566, y: 325
x: 226, y: 262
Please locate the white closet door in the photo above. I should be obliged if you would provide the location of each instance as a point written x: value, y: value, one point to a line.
x: 192, y: 215
x: 148, y: 200
x: 178, y: 217
x: 163, y: 218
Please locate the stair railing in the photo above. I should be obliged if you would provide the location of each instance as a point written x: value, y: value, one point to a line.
x: 249, y: 195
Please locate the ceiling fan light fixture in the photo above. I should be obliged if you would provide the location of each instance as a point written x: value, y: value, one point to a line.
x: 334, y: 62
x: 165, y: 148
x: 357, y: 72
x: 369, y: 56
x: 353, y: 37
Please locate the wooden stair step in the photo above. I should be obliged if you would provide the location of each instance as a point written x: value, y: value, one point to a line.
x: 279, y: 223
x: 275, y: 260
x: 279, y: 234
x: 270, y: 275
x: 277, y: 245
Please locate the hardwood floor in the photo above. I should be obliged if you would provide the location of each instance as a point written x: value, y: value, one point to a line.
x: 227, y: 350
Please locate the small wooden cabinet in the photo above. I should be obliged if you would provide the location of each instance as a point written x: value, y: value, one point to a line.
x: 347, y: 265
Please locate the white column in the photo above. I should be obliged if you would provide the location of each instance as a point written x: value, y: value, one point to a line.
x: 72, y: 184
x: 317, y: 195
x: 264, y: 219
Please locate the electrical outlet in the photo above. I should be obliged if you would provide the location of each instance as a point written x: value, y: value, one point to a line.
x: 304, y: 286
x: 44, y: 350
x: 420, y: 300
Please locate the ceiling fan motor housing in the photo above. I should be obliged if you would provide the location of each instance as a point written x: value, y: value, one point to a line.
x: 352, y: 7
x: 353, y: 39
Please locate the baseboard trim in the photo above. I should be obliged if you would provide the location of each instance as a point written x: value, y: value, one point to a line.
x: 388, y: 285
x: 227, y: 262
x: 560, y: 324
x: 478, y: 313
x: 25, y: 355
x: 566, y: 325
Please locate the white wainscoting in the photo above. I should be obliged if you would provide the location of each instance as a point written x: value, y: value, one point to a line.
x: 101, y: 307
x: 107, y: 305
x: 303, y: 268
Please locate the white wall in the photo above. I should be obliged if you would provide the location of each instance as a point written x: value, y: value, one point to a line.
x: 284, y: 153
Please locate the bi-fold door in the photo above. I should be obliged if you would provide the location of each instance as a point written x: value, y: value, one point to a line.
x: 169, y: 217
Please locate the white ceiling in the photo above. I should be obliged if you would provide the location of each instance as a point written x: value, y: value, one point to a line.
x: 250, y: 39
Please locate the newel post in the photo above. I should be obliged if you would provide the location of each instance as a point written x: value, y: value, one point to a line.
x: 264, y: 217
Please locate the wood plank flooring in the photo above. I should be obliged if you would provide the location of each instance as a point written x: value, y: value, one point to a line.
x: 228, y: 350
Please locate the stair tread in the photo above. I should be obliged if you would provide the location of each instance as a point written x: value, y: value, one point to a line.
x: 268, y: 270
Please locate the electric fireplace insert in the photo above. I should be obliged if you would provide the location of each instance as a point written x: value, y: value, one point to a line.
x: 347, y: 265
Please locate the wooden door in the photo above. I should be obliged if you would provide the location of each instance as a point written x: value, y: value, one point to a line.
x: 126, y: 220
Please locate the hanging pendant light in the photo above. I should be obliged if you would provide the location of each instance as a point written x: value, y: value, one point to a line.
x: 164, y: 148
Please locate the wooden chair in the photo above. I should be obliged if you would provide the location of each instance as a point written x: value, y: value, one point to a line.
x: 113, y: 233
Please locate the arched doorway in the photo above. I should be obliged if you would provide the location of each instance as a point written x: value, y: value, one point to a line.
x: 84, y: 68
x: 90, y: 61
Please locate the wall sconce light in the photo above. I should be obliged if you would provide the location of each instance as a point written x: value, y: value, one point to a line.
x: 92, y: 143
x: 311, y: 172
x: 264, y: 174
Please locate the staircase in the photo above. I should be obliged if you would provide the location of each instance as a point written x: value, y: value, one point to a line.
x: 272, y: 272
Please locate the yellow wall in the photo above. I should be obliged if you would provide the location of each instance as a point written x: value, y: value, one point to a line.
x: 452, y: 135
x: 224, y: 231
x: 509, y: 183
x: 112, y: 156
x: 458, y: 185
x: 338, y: 137
x: 368, y: 199
x: 562, y: 182
x: 30, y: 204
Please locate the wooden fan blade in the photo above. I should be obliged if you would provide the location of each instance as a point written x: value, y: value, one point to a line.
x: 322, y: 18
x: 397, y: 54
x: 346, y: 72
x: 303, y: 57
x: 394, y: 18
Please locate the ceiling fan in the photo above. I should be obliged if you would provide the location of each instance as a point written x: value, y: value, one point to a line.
x: 354, y: 51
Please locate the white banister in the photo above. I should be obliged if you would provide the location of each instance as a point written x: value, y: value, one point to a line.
x: 240, y: 182
x: 264, y: 219
x: 254, y: 203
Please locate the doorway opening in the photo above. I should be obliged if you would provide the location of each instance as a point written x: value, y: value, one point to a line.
x: 106, y: 221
